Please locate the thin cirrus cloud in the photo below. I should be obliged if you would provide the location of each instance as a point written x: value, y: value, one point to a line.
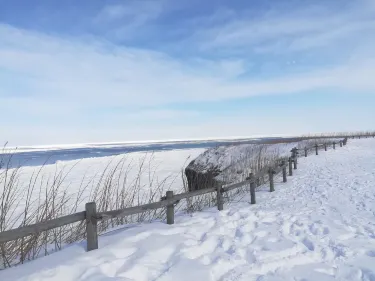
x: 289, y: 29
x: 123, y: 22
x: 89, y: 75
x: 58, y: 70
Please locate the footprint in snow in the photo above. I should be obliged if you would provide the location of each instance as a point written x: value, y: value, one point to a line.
x: 309, y: 244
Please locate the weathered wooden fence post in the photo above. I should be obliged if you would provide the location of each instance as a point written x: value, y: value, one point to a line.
x: 170, y: 208
x: 316, y: 150
x: 294, y: 152
x: 290, y: 166
x: 294, y: 157
x: 305, y: 151
x: 252, y: 188
x: 334, y: 145
x: 270, y: 174
x: 91, y: 226
x: 219, y: 197
x: 284, y: 171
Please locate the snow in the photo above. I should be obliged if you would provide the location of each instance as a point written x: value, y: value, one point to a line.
x: 235, y: 161
x: 162, y: 166
x: 318, y: 226
x: 41, y: 148
x: 54, y: 147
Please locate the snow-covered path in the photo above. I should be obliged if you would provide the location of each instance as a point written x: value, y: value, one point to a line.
x: 318, y: 226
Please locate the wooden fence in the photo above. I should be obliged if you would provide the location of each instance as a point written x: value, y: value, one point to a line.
x: 91, y: 216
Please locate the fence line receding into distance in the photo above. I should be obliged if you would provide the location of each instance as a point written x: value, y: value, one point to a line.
x: 91, y: 216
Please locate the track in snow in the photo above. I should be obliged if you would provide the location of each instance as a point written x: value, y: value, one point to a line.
x: 318, y: 226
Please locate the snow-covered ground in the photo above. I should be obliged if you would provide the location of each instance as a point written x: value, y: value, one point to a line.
x: 318, y: 226
x: 18, y: 149
x: 233, y: 163
x: 163, y: 166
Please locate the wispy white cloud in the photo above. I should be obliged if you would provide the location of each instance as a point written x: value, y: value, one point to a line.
x: 284, y: 29
x: 95, y: 73
x: 123, y: 21
x: 137, y: 12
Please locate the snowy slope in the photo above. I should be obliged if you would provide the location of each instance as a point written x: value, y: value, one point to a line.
x: 318, y: 226
x: 233, y: 163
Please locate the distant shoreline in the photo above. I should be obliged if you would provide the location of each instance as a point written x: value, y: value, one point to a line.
x: 27, y: 148
x: 47, y: 156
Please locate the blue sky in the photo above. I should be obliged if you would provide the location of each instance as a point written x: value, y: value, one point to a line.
x: 102, y: 71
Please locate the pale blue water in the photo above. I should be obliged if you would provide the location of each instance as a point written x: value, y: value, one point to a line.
x: 36, y: 158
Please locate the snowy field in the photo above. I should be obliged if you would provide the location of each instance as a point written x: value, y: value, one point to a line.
x: 147, y: 172
x: 162, y: 168
x: 318, y: 226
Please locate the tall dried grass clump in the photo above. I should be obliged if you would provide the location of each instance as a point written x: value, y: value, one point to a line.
x: 44, y: 198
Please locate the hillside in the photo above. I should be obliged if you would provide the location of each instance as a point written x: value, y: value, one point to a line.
x: 318, y: 226
x: 233, y: 163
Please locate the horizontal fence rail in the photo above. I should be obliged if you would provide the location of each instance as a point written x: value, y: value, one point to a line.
x: 169, y: 201
x: 31, y: 229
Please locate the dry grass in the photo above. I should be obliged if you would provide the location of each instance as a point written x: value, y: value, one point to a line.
x: 46, y: 198
x: 342, y: 134
x: 255, y: 159
x: 310, y: 144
